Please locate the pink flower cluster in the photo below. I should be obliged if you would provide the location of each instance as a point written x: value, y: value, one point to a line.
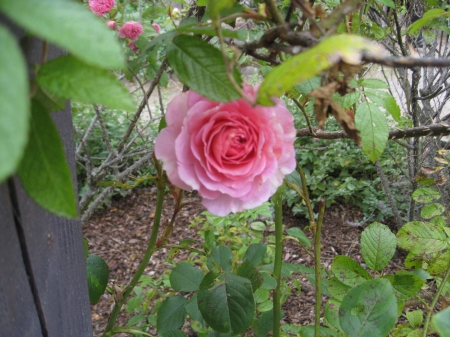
x: 101, y: 7
x: 236, y: 155
x: 131, y: 30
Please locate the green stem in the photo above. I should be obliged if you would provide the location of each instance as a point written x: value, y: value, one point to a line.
x: 149, y: 252
x: 276, y: 15
x: 435, y: 299
x: 318, y: 268
x: 278, y: 261
x: 122, y: 329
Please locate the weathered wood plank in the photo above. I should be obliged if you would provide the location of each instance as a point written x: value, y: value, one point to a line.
x: 18, y: 316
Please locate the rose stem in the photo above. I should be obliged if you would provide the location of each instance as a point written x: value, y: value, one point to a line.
x: 149, y: 252
x: 278, y: 202
x: 318, y: 269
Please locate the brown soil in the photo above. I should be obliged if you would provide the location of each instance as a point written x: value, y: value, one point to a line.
x: 119, y: 234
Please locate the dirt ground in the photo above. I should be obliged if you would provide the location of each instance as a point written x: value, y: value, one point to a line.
x: 119, y: 234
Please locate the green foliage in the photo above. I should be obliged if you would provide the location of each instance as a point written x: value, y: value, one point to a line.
x: 378, y: 245
x: 200, y: 66
x: 442, y: 322
x: 369, y: 309
x: 97, y: 277
x: 44, y: 171
x: 14, y: 104
x: 70, y: 78
x: 305, y: 65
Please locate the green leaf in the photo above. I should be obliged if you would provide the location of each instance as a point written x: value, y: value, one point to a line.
x: 349, y: 271
x: 337, y: 289
x: 432, y: 210
x: 249, y: 271
x: 71, y: 78
x: 369, y: 309
x: 309, y: 331
x: 378, y: 245
x: 135, y: 320
x: 374, y: 130
x: 427, y: 17
x: 264, y: 324
x: 97, y: 277
x: 69, y: 25
x: 440, y: 265
x: 389, y: 3
x: 193, y: 311
x: 415, y: 318
x: 426, y: 195
x: 384, y: 100
x: 14, y: 104
x: 171, y: 314
x: 299, y: 235
x: 44, y: 171
x: 406, y: 286
x: 133, y: 303
x: 185, y: 277
x: 200, y: 66
x: 422, y: 238
x: 229, y: 306
x: 373, y: 83
x: 258, y: 226
x: 269, y: 282
x: 255, y: 253
x: 441, y: 321
x: 216, y: 6
x: 304, y: 66
x: 222, y: 256
x: 332, y: 313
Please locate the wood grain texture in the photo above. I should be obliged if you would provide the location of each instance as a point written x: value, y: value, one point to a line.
x: 18, y: 316
x: 50, y: 260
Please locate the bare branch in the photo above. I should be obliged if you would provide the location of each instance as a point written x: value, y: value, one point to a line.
x: 407, y: 62
x: 421, y: 131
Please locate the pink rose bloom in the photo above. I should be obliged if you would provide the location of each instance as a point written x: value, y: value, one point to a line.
x: 131, y: 30
x: 234, y: 154
x: 157, y: 27
x: 100, y: 7
x: 111, y: 24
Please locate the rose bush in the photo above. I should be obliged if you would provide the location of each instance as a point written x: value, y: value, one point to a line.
x: 236, y: 155
x: 131, y: 30
x: 101, y: 7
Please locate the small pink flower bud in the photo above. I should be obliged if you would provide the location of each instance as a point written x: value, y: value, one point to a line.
x: 157, y: 27
x: 111, y: 24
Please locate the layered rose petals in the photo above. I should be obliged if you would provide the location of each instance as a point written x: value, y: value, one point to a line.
x: 101, y: 7
x: 234, y: 154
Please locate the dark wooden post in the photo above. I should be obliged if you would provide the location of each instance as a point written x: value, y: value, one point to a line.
x: 43, y: 286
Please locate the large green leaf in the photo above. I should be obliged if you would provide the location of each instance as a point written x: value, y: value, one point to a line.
x: 249, y: 271
x: 44, y: 171
x: 384, y: 100
x: 255, y: 253
x: 426, y: 18
x: 378, y: 245
x: 222, y: 256
x: 303, y: 66
x: 229, y: 306
x: 426, y: 195
x: 200, y: 66
x: 374, y: 130
x: 432, y: 210
x: 441, y: 321
x: 14, y: 104
x: 192, y: 310
x: 369, y: 309
x: 440, y: 264
x: 422, y: 238
x: 264, y: 324
x: 406, y: 285
x: 185, y: 277
x: 97, y: 277
x: 69, y: 25
x: 171, y: 314
x: 71, y: 78
x: 348, y: 271
x: 332, y: 313
x: 170, y: 333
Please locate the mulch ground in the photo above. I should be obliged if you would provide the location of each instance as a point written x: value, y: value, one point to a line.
x: 120, y: 232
